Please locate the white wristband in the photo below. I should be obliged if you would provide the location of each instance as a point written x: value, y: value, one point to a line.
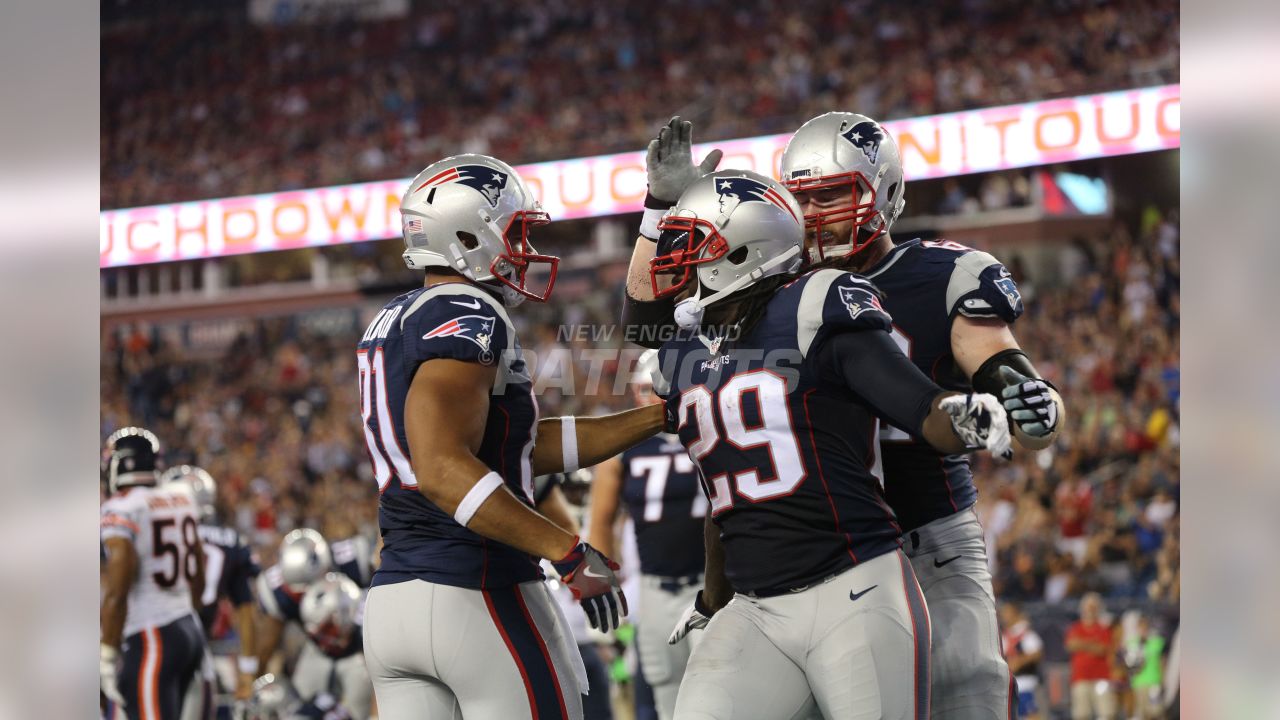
x: 569, y: 443
x: 649, y: 223
x: 475, y: 497
x: 248, y: 665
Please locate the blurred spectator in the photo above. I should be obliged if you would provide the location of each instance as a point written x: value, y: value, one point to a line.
x: 1091, y: 644
x: 1144, y: 656
x: 199, y: 102
x: 1074, y: 500
x: 1023, y: 650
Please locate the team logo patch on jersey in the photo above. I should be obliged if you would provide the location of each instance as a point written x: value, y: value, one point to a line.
x: 485, y: 180
x: 1010, y: 290
x: 866, y: 136
x: 859, y: 301
x: 476, y: 328
x: 735, y: 191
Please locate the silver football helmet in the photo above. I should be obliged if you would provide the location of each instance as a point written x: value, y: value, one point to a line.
x: 330, y: 609
x: 273, y: 698
x: 839, y: 150
x: 304, y: 558
x: 472, y: 214
x: 731, y: 227
x: 202, y: 485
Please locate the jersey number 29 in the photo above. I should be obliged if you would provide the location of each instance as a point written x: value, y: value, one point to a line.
x: 774, y: 433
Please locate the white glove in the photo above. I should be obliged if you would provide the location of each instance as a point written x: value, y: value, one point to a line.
x: 669, y: 162
x: 980, y: 422
x: 695, y: 617
x: 108, y: 675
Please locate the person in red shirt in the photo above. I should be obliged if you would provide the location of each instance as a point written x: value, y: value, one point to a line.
x: 1074, y: 502
x: 1091, y: 644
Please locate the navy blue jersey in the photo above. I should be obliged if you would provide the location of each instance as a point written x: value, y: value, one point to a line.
x: 351, y: 557
x: 667, y: 506
x: 925, y: 285
x: 229, y: 569
x: 454, y: 321
x: 785, y: 454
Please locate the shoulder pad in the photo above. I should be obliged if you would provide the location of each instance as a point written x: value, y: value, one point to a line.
x: 838, y: 301
x: 980, y: 286
x: 459, y: 322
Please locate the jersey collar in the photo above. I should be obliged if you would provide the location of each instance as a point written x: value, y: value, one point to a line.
x: 890, y: 258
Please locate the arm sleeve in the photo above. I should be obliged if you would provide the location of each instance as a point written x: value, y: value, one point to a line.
x: 874, y: 368
x: 239, y: 589
x: 120, y: 520
x: 647, y: 322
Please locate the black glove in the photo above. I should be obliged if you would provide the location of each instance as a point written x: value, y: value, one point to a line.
x: 590, y: 577
x: 1029, y: 403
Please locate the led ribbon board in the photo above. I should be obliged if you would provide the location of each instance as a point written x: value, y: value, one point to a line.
x: 934, y: 146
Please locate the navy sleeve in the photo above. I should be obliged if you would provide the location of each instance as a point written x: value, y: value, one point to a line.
x: 457, y: 327
x: 981, y: 287
x: 874, y: 368
x: 244, y: 569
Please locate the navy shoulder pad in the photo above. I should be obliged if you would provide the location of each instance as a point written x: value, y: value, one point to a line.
x: 458, y: 322
x: 834, y: 301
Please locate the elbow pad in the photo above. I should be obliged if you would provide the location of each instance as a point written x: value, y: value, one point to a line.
x: 988, y: 380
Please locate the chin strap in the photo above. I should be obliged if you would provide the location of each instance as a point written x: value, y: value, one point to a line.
x: 688, y: 312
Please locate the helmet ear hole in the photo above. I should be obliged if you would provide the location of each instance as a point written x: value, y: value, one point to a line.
x: 468, y: 240
x: 739, y: 256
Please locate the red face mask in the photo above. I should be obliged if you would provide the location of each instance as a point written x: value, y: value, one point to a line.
x: 860, y: 212
x: 685, y: 243
x: 521, y: 257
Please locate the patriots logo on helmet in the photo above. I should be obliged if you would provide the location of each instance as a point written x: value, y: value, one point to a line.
x: 734, y: 191
x: 485, y: 180
x: 476, y: 328
x: 867, y: 137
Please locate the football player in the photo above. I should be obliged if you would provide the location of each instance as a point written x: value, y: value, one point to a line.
x: 952, y: 307
x: 305, y: 558
x: 230, y: 569
x: 777, y: 390
x: 332, y: 611
x: 656, y: 482
x: 152, y: 644
x: 458, y: 620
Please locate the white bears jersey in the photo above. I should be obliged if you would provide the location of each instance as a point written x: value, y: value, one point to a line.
x: 161, y: 524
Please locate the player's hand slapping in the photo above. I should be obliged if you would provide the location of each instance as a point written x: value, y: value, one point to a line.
x: 1029, y: 402
x: 590, y: 576
x: 669, y: 163
x: 980, y: 422
x: 695, y: 617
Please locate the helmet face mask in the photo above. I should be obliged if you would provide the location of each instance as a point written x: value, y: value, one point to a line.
x: 856, y: 204
x: 690, y: 242
x: 471, y: 214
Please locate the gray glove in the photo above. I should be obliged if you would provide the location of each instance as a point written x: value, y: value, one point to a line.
x: 669, y: 163
x: 1029, y: 403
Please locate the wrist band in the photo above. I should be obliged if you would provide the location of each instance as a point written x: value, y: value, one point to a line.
x: 569, y: 443
x: 108, y: 653
x: 649, y: 224
x: 247, y: 665
x: 476, y: 496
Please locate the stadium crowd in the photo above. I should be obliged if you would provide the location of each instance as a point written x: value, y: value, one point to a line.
x: 207, y: 104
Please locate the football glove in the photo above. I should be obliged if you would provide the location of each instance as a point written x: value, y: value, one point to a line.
x: 1029, y: 403
x: 590, y: 576
x: 695, y: 617
x: 108, y: 674
x: 980, y: 422
x: 669, y: 163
